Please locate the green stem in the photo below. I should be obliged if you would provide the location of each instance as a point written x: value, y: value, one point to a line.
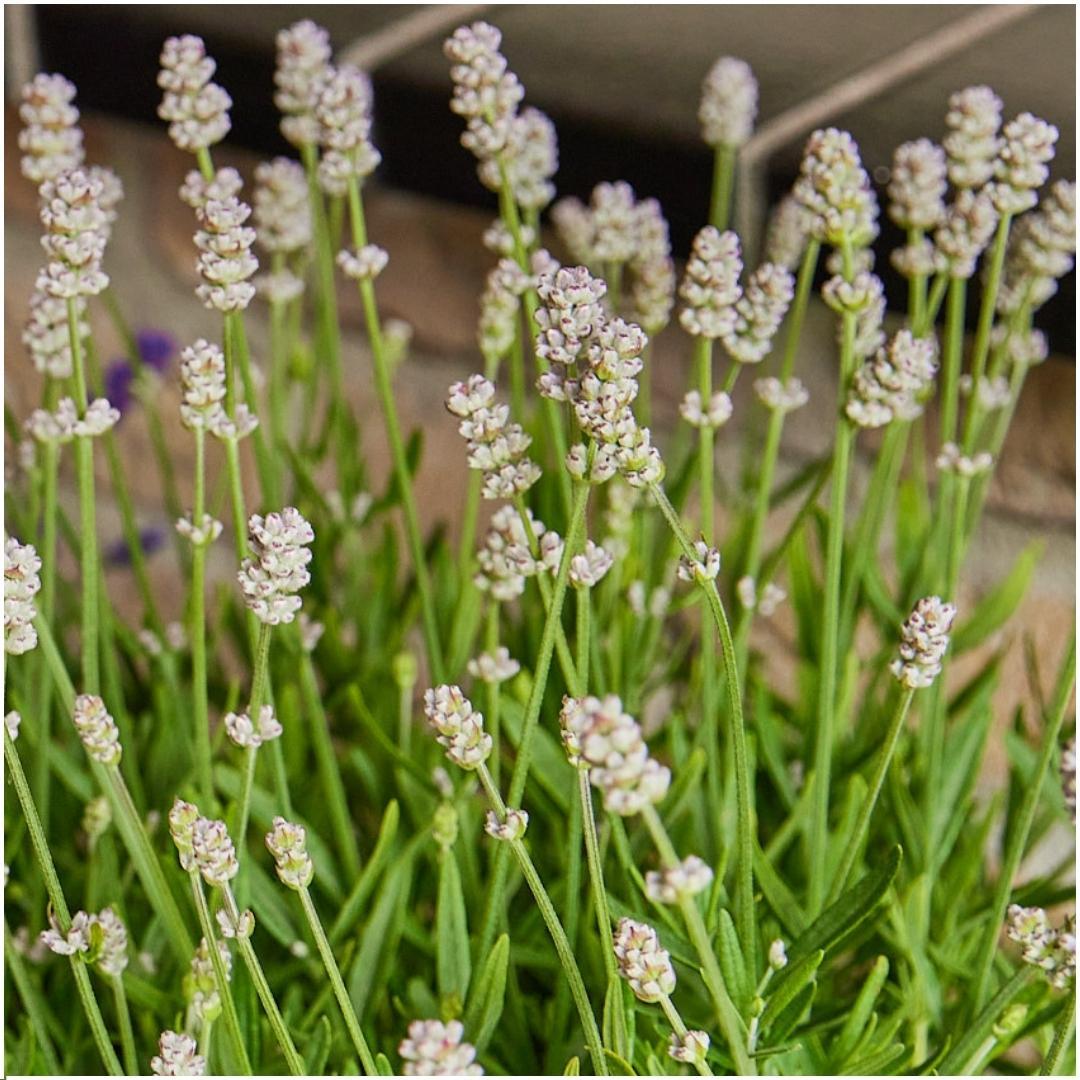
x: 236, y: 496
x: 723, y: 181
x: 127, y: 1035
x: 84, y: 457
x: 263, y: 463
x: 727, y: 1015
x: 745, y: 914
x: 1063, y: 1030
x: 493, y: 696
x: 881, y: 769
x: 348, y: 1013
x: 958, y: 1060
x: 582, y: 633
x: 397, y: 447
x: 554, y: 927
x: 197, y: 632
x: 259, y: 679
x: 1017, y: 837
x: 221, y: 977
x: 59, y: 905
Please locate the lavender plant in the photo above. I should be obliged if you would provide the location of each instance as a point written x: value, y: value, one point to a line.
x: 722, y: 873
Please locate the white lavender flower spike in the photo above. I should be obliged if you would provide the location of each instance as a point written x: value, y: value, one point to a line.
x: 273, y: 576
x: 691, y: 1048
x: 97, y: 729
x: 494, y: 667
x: 251, y: 734
x: 75, y: 940
x: 196, y: 109
x: 51, y: 139
x: 642, y: 962
x: 343, y: 109
x: 512, y: 827
x: 202, y: 382
x: 692, y: 876
x: 924, y: 637
x: 835, y: 190
x: 729, y: 99
x: 226, y: 262
x: 303, y: 60
x: 22, y: 582
x: 714, y: 414
x: 458, y: 726
x: 433, y: 1048
x: 918, y: 183
x: 703, y: 568
x: 973, y: 120
x: 177, y: 1056
x: 287, y: 842
x: 1051, y: 949
x: 589, y: 568
x: 76, y: 231
x: 711, y: 287
x: 47, y: 335
x: 213, y: 852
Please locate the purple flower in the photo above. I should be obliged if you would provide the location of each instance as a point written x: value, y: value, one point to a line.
x: 151, y: 539
x: 118, y: 379
x: 156, y: 348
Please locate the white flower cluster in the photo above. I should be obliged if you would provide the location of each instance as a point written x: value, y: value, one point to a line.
x: 200, y: 985
x: 206, y: 532
x: 780, y: 396
x: 787, y: 233
x: 715, y: 414
x: 458, y: 726
x: 65, y: 424
x: 835, y: 191
x: 197, y: 110
x: 76, y: 230
x: 729, y: 100
x: 710, y: 286
x: 891, y: 385
x: 213, y: 852
x: 22, y: 582
x: 343, y: 109
x: 600, y: 737
x: 102, y: 938
x: 282, y: 214
x: 1041, y: 249
x: 530, y: 159
x: 177, y: 1056
x: 924, y: 637
x: 511, y: 827
x: 433, y: 1048
x: 287, y: 842
x: 182, y: 818
x: 759, y: 313
x: 1027, y: 347
x: 303, y: 58
x: 690, y: 1049
x: 486, y: 93
x: 363, y: 264
x: 497, y: 446
x: 917, y: 185
x: 251, y: 734
x: 703, y: 568
x: 51, y: 139
x: 1051, y: 949
x: 991, y: 393
x: 971, y: 145
x: 273, y: 576
x: 1068, y: 775
x: 494, y: 667
x: 772, y: 596
x: 962, y: 236
x: 97, y: 729
x: 47, y: 336
x: 1027, y: 146
x: 589, y: 567
x: 594, y: 365
x: 642, y: 962
x: 688, y: 878
x: 952, y: 459
x: 652, y: 285
x: 196, y: 191
x: 863, y: 297
x: 13, y: 721
x: 226, y: 261
x: 506, y: 558
x: 112, y: 194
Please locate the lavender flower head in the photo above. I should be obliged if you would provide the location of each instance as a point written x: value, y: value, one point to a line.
x: 433, y: 1048
x: 729, y: 99
x: 76, y: 230
x: 51, y: 139
x: 22, y: 582
x: 177, y: 1056
x: 303, y: 59
x: 458, y: 726
x: 272, y: 577
x: 924, y: 637
x: 197, y: 110
x: 643, y: 963
x: 835, y: 190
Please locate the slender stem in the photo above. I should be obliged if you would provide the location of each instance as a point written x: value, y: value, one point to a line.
x: 723, y: 181
x: 596, y: 875
x: 834, y: 549
x: 745, y: 914
x: 236, y: 496
x: 267, y: 472
x: 952, y: 358
x: 221, y: 977
x: 197, y: 631
x: 127, y: 1035
x: 59, y: 905
x: 84, y: 457
x: 348, y: 1013
x: 1063, y: 1030
x: 493, y: 695
x: 1018, y: 834
x: 554, y: 927
x: 397, y: 446
x: 803, y: 285
x: 727, y: 1015
x: 881, y: 769
x: 583, y: 632
x: 981, y: 348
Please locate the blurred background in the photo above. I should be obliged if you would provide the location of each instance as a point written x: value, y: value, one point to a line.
x: 622, y: 84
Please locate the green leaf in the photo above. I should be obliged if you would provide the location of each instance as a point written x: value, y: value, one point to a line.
x: 615, y: 1033
x: 453, y: 966
x: 573, y: 1067
x: 998, y: 606
x: 488, y: 993
x: 796, y: 978
x: 840, y: 920
x: 879, y: 1063
x: 687, y: 784
x: 382, y: 1064
x: 784, y: 1023
x: 856, y: 1020
x: 318, y: 1049
x: 365, y: 883
x: 374, y: 938
x: 777, y: 895
x: 732, y: 962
